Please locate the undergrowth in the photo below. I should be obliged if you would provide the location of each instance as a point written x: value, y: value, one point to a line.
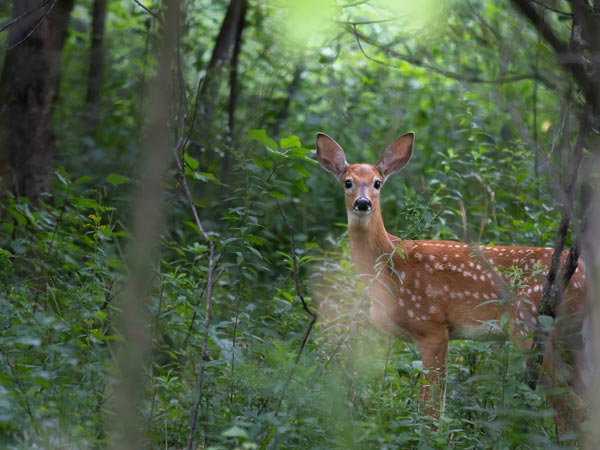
x: 62, y: 269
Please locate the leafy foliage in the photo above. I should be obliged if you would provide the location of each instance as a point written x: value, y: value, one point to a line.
x: 484, y: 153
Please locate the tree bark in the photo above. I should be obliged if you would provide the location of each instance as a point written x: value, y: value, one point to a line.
x: 579, y: 59
x: 133, y: 357
x: 220, y: 61
x: 233, y: 91
x: 27, y: 86
x: 96, y: 64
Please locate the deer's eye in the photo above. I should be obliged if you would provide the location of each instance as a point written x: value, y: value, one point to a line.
x: 377, y: 184
x: 348, y: 183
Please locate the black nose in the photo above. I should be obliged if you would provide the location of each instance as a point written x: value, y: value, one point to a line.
x: 362, y: 204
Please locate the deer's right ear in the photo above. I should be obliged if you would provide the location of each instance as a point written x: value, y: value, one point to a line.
x: 330, y: 155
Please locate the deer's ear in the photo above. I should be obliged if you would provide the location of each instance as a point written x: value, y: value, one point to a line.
x: 330, y: 155
x: 396, y: 155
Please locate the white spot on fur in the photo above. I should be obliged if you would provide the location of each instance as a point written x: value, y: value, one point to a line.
x: 411, y: 313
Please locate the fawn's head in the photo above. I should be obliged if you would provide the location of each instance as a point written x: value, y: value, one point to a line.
x: 362, y: 182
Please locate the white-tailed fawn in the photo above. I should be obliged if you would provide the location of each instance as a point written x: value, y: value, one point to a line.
x: 431, y: 291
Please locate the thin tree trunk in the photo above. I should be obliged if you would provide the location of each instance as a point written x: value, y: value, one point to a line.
x: 132, y: 359
x: 220, y: 59
x: 233, y: 93
x: 96, y: 64
x: 27, y: 86
x: 283, y: 113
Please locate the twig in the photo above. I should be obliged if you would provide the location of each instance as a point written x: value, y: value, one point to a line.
x: 311, y: 313
x: 419, y: 63
x: 550, y: 8
x: 213, y: 259
x: 35, y: 27
x: 10, y: 22
x: 576, y: 69
x: 556, y: 282
x: 149, y: 11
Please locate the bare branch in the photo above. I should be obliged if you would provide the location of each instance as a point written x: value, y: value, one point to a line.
x: 419, y: 63
x: 10, y: 22
x: 311, y: 313
x: 35, y: 27
x: 550, y: 8
x: 149, y: 11
x: 213, y: 259
x: 560, y: 48
x: 556, y: 283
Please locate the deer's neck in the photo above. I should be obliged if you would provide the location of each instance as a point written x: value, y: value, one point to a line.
x: 370, y: 243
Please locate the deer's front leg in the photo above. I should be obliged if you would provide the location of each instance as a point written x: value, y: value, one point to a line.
x: 434, y: 348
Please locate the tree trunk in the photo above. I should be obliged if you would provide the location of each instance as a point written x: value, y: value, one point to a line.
x: 27, y: 86
x: 220, y: 61
x: 578, y: 59
x: 96, y: 65
x: 233, y: 91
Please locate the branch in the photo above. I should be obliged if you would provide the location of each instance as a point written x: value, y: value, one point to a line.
x: 550, y: 8
x: 311, y: 313
x: 35, y: 27
x: 10, y: 22
x: 555, y: 284
x: 213, y: 259
x: 419, y: 63
x: 149, y: 11
x: 560, y: 48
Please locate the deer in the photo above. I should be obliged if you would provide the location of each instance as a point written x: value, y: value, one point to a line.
x: 432, y: 291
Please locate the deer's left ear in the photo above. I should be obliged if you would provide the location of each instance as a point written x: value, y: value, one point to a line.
x: 396, y: 155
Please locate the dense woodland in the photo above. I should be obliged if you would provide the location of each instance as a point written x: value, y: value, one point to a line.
x: 174, y: 266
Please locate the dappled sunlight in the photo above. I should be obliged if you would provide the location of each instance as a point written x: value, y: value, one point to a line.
x: 311, y: 24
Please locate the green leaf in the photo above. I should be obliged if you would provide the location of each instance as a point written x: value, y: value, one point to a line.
x: 292, y: 141
x: 277, y: 195
x: 301, y: 170
x: 115, y: 179
x: 206, y: 177
x: 62, y: 176
x: 261, y: 136
x: 191, y: 162
x: 82, y: 180
x: 236, y: 432
x: 299, y: 184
